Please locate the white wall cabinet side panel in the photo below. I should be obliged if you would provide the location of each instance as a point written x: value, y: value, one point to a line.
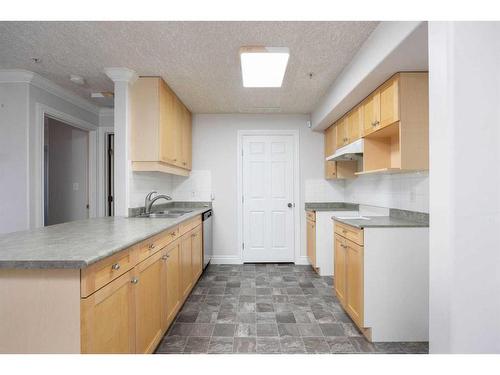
x: 396, y: 283
x: 267, y: 190
x: 325, y: 232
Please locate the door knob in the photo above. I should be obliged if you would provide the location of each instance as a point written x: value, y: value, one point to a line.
x: 290, y: 205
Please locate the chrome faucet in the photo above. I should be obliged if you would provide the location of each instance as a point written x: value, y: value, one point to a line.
x: 149, y: 202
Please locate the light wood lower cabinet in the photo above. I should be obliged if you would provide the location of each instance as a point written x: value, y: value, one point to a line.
x: 147, y: 288
x: 108, y: 318
x: 197, y: 252
x: 186, y: 264
x: 339, y: 268
x: 348, y: 266
x: 354, y: 281
x: 131, y: 313
x: 171, y: 293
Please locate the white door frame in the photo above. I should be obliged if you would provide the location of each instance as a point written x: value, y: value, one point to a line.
x: 42, y: 110
x: 102, y: 168
x: 295, y: 179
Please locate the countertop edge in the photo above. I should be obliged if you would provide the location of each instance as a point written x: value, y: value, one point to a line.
x: 82, y: 264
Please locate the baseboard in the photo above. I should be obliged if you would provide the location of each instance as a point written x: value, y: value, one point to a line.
x: 302, y: 260
x: 234, y: 259
x: 226, y: 259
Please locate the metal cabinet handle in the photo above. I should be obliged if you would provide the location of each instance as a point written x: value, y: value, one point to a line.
x: 172, y: 234
x: 115, y: 266
x: 152, y: 246
x: 165, y: 257
x: 134, y: 281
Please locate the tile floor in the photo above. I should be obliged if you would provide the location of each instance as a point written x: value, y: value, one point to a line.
x: 268, y: 308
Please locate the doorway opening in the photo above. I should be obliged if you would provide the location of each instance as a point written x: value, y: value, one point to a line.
x: 66, y: 172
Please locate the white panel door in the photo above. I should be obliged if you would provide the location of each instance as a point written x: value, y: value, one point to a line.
x: 268, y: 225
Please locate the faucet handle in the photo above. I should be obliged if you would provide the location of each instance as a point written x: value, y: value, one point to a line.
x: 148, y: 197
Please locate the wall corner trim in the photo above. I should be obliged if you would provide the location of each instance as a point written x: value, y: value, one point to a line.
x: 26, y: 76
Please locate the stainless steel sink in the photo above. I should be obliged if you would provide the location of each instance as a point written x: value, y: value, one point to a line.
x: 172, y: 213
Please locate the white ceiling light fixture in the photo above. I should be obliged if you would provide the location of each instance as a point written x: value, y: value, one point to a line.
x: 263, y: 66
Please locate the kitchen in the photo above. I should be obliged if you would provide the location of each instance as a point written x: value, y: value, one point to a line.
x: 236, y: 212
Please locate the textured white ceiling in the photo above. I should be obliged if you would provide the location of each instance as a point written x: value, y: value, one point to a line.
x: 199, y: 60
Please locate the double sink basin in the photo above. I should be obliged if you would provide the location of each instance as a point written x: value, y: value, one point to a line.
x: 171, y: 213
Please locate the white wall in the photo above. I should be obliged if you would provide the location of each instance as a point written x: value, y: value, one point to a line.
x: 20, y: 154
x: 464, y: 84
x: 13, y: 157
x: 215, y: 150
x: 406, y: 191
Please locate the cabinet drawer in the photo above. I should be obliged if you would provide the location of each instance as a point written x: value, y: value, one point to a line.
x: 311, y: 215
x: 103, y: 272
x: 189, y: 224
x: 351, y: 233
x: 150, y: 246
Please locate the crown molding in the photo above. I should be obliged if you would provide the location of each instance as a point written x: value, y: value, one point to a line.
x: 32, y: 78
x: 105, y: 111
x: 121, y: 75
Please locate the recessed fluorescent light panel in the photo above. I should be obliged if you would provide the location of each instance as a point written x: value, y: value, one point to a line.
x: 263, y: 66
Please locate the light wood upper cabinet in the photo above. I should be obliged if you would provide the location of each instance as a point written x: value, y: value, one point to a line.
x: 147, y: 288
x: 400, y: 140
x: 389, y: 103
x: 108, y: 318
x: 330, y: 139
x: 354, y: 125
x: 371, y: 112
x: 186, y: 141
x: 341, y: 133
x: 160, y: 128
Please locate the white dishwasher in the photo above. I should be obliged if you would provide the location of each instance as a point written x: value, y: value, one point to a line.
x: 324, y: 239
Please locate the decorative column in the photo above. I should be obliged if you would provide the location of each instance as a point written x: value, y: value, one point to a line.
x: 123, y: 79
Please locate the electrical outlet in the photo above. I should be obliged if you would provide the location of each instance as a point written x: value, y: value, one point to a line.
x: 76, y: 186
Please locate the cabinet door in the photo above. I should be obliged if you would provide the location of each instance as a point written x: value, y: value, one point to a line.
x: 168, y: 125
x: 330, y: 140
x: 197, y: 252
x: 148, y: 303
x: 171, y: 277
x: 354, y: 125
x: 339, y: 269
x: 354, y: 277
x: 371, y: 113
x: 389, y: 103
x: 311, y: 242
x: 186, y: 264
x: 186, y: 138
x: 341, y: 134
x: 108, y: 318
x: 330, y: 170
